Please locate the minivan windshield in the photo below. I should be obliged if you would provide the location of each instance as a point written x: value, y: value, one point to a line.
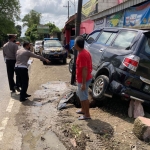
x: 52, y: 44
x: 38, y: 43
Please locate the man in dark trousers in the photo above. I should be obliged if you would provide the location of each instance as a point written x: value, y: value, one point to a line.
x: 9, y: 52
x: 21, y: 67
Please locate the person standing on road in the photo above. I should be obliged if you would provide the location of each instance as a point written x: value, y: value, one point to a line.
x: 21, y: 67
x: 9, y: 53
x: 84, y: 77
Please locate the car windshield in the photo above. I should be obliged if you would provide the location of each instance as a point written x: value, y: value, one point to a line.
x: 38, y: 43
x: 52, y: 44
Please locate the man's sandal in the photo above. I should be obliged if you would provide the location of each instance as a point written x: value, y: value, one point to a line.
x: 84, y: 118
x: 79, y: 112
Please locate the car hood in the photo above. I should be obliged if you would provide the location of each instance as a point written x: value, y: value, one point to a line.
x: 38, y: 45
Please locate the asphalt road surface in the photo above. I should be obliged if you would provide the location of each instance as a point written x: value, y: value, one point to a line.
x: 4, y: 88
x: 11, y: 136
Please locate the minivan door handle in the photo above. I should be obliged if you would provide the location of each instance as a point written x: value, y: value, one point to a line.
x: 101, y: 50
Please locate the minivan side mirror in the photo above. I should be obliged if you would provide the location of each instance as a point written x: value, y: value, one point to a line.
x: 90, y: 40
x: 84, y: 36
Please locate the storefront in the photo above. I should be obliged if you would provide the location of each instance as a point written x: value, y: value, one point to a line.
x: 135, y: 16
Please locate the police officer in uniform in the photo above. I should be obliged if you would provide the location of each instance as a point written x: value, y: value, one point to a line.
x: 9, y: 53
x: 21, y: 67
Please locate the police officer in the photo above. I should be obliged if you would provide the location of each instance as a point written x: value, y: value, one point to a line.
x: 21, y: 68
x: 9, y: 52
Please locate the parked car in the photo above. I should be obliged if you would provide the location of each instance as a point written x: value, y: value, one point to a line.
x: 38, y: 45
x: 121, y: 63
x: 53, y: 50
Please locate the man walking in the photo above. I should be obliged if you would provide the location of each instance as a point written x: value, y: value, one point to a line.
x: 21, y: 68
x: 84, y: 77
x: 9, y: 52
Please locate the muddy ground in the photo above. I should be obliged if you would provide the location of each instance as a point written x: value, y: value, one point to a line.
x: 110, y: 127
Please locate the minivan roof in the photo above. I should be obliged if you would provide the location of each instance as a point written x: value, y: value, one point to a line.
x: 118, y: 28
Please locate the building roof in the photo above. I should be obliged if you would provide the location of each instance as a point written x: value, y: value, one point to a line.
x: 116, y: 8
x: 72, y: 18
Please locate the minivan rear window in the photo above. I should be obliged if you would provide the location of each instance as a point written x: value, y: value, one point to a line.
x: 124, y: 39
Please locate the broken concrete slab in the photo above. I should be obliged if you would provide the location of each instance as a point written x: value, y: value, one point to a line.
x: 65, y: 99
x: 142, y: 128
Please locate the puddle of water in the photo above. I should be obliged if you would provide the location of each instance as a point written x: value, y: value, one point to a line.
x: 38, y: 104
x: 31, y: 140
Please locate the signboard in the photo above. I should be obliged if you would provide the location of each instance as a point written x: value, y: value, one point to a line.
x: 115, y: 20
x: 43, y: 29
x: 100, y: 23
x: 138, y: 16
x: 90, y: 8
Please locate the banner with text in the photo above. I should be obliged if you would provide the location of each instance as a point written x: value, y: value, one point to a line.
x: 99, y: 23
x: 138, y: 16
x: 90, y: 8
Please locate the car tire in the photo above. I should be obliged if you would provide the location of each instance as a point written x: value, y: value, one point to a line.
x: 44, y: 63
x: 99, y: 87
x: 71, y: 65
x: 64, y: 61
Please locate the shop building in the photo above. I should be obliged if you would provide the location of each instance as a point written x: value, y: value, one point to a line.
x: 128, y: 13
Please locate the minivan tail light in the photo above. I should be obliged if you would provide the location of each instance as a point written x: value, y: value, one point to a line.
x: 131, y: 62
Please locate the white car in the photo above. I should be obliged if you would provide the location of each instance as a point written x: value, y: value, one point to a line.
x: 38, y: 45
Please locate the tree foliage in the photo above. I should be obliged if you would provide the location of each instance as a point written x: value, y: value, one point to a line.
x: 10, y: 9
x: 32, y: 18
x: 52, y: 28
x: 32, y: 34
x: 18, y: 28
x: 9, y: 12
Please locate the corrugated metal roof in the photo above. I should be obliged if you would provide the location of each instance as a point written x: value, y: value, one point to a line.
x: 117, y: 8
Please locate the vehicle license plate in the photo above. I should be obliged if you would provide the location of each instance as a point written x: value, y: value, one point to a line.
x: 56, y: 55
x: 147, y: 88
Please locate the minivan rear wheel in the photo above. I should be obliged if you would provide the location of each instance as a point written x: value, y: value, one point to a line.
x: 99, y: 87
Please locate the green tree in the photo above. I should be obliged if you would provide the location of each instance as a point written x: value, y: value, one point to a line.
x: 32, y: 34
x: 32, y: 18
x: 52, y: 28
x: 18, y: 28
x: 9, y: 12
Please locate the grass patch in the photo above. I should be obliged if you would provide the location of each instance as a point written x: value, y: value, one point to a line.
x: 76, y: 130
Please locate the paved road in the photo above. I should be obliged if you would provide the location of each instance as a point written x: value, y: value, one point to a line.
x: 4, y: 89
x: 11, y: 136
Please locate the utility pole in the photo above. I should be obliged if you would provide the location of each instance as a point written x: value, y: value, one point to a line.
x: 68, y: 8
x: 78, y: 23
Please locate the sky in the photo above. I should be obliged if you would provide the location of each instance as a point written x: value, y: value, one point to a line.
x: 52, y: 11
